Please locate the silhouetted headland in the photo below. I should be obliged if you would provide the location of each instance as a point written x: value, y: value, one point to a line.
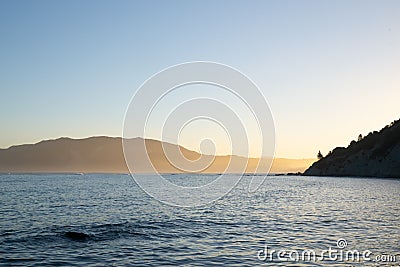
x: 375, y: 155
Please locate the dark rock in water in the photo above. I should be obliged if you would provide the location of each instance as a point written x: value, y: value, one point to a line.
x: 77, y: 235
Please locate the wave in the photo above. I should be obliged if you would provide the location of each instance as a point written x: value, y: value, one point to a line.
x: 100, y: 232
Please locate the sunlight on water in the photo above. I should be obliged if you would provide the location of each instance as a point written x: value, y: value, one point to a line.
x: 100, y: 220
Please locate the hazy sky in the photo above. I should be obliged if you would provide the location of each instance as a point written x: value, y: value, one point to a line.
x: 329, y: 69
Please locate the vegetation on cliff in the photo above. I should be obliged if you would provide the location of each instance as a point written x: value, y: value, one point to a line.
x: 375, y: 155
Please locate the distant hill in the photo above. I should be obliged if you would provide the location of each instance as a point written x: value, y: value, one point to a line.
x: 375, y: 155
x: 105, y: 155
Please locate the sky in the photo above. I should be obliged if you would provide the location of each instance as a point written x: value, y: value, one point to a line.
x: 329, y: 69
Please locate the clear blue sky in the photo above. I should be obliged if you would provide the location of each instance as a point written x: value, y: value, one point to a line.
x: 329, y: 69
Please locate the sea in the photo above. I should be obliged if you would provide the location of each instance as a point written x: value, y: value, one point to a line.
x: 108, y: 220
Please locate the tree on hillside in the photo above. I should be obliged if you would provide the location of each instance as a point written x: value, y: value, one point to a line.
x: 319, y: 155
x: 360, y: 137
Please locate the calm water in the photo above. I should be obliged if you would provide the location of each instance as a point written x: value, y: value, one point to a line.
x: 125, y: 227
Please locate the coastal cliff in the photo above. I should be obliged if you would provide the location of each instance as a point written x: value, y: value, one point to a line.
x: 375, y: 155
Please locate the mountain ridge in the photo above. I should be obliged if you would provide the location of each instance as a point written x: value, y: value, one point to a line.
x: 103, y: 154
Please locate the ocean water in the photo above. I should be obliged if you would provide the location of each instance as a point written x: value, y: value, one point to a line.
x: 43, y: 219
